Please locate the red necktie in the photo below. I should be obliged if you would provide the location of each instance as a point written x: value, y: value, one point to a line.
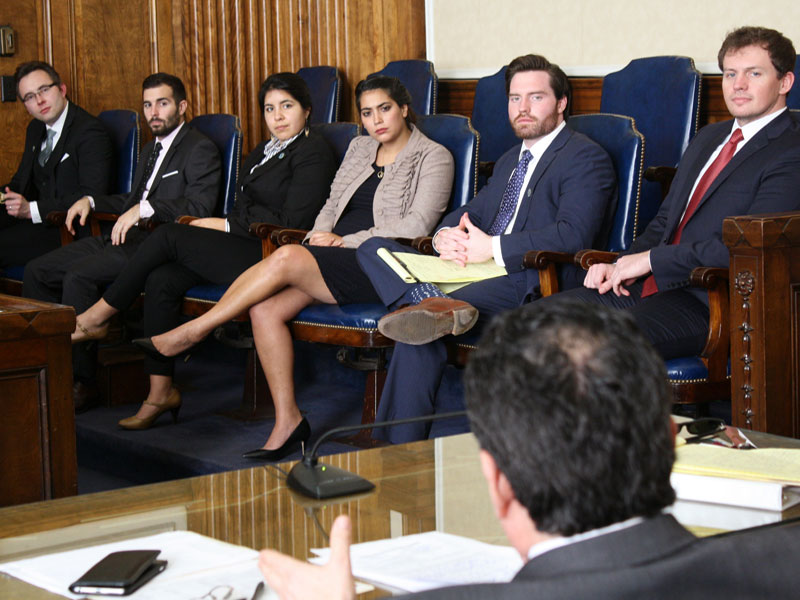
x: 715, y: 168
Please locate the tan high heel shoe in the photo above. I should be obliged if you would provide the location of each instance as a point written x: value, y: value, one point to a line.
x: 172, y: 404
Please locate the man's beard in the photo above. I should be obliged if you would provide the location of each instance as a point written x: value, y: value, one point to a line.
x: 536, y: 129
x: 167, y: 126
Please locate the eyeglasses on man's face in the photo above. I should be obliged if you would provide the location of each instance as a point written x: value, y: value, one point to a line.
x: 31, y: 96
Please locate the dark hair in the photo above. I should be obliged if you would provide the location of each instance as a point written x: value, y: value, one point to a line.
x: 571, y: 401
x: 535, y: 62
x: 393, y: 87
x: 780, y: 48
x: 29, y: 67
x: 157, y: 79
x: 291, y: 83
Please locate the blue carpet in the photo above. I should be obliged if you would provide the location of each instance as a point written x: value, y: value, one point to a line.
x: 203, y: 441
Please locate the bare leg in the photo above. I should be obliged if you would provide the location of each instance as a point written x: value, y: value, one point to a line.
x: 275, y: 351
x: 92, y: 324
x: 289, y: 266
x: 160, y: 388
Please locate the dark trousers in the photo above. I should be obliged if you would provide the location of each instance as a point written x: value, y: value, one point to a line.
x: 415, y: 372
x: 75, y: 275
x: 173, y: 259
x: 675, y: 321
x: 21, y: 240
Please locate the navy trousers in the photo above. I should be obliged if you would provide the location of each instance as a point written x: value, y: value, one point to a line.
x: 415, y: 372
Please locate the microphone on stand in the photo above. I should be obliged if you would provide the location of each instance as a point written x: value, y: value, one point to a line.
x: 318, y: 480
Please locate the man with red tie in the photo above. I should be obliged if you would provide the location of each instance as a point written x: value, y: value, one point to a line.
x: 749, y: 165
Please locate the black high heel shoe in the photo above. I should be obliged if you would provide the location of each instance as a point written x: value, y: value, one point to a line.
x: 147, y: 346
x: 299, y: 436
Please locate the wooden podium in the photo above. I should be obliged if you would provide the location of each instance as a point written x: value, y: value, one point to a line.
x: 37, y: 431
x: 765, y: 321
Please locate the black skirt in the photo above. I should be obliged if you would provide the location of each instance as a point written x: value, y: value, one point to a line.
x: 343, y: 275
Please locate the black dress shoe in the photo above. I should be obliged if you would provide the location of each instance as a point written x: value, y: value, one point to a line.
x: 84, y: 396
x: 298, y: 437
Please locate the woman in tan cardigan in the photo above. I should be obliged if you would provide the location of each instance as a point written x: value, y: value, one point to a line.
x: 394, y: 183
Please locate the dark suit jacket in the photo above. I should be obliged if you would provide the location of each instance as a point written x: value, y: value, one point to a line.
x: 81, y: 164
x: 289, y: 189
x: 568, y: 201
x: 187, y: 183
x: 763, y: 177
x: 656, y: 559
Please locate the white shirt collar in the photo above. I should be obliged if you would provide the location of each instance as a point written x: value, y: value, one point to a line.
x: 752, y: 128
x: 58, y: 126
x: 167, y: 140
x: 560, y: 542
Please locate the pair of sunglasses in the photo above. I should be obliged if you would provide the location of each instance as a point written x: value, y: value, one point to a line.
x: 701, y: 429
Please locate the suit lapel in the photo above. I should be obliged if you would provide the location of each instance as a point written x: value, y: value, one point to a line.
x: 541, y: 168
x: 173, y: 148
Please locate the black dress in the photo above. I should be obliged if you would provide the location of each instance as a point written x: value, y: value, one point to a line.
x: 339, y: 267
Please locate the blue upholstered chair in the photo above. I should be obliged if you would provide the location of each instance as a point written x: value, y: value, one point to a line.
x: 420, y: 79
x: 662, y: 93
x: 226, y: 132
x: 325, y: 86
x: 338, y: 136
x: 123, y: 125
x: 488, y: 117
x: 126, y: 135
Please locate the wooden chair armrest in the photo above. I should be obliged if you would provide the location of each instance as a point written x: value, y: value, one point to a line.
x: 423, y: 244
x: 283, y: 236
x: 264, y: 232
x: 717, y: 348
x: 545, y: 262
x: 486, y: 168
x: 149, y: 224
x: 661, y: 175
x: 586, y: 258
x: 186, y: 219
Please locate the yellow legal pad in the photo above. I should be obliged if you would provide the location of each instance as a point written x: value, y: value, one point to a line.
x: 780, y: 465
x: 445, y: 274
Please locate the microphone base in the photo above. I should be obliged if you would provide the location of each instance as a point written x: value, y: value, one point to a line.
x: 326, y: 481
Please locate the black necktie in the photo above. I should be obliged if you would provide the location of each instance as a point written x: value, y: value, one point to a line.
x: 148, y: 171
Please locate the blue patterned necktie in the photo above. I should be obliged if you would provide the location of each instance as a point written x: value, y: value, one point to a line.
x: 511, y: 196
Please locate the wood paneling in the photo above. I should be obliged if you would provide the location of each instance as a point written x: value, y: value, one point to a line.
x: 457, y: 95
x: 222, y: 49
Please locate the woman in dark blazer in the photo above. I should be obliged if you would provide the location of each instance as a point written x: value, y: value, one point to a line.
x: 284, y: 181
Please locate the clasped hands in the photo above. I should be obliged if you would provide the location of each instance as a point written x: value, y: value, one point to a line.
x: 604, y: 277
x: 83, y: 207
x: 464, y: 243
x: 325, y: 238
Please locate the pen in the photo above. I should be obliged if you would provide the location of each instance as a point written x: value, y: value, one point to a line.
x: 402, y: 264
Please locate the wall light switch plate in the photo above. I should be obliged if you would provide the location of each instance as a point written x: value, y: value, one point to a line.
x: 8, y: 39
x: 8, y: 90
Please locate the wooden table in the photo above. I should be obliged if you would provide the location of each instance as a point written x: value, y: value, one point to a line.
x: 37, y: 431
x: 423, y: 486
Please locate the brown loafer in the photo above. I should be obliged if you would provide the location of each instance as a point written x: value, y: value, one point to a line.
x: 429, y: 320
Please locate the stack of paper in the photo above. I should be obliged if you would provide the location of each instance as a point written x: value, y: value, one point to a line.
x: 724, y: 488
x: 423, y: 561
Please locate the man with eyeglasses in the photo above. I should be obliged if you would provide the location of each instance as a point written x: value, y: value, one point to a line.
x: 68, y: 154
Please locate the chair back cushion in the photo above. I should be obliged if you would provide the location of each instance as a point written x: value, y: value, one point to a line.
x: 338, y: 136
x: 225, y: 131
x: 123, y: 125
x: 489, y: 117
x: 456, y: 133
x: 325, y: 86
x: 662, y: 94
x: 419, y: 78
x: 625, y: 145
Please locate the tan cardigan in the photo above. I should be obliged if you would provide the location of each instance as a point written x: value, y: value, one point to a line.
x: 410, y: 198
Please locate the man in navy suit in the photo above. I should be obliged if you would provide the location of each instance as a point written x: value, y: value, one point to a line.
x: 179, y: 172
x: 68, y: 154
x: 554, y: 191
x: 750, y: 165
x: 571, y: 411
